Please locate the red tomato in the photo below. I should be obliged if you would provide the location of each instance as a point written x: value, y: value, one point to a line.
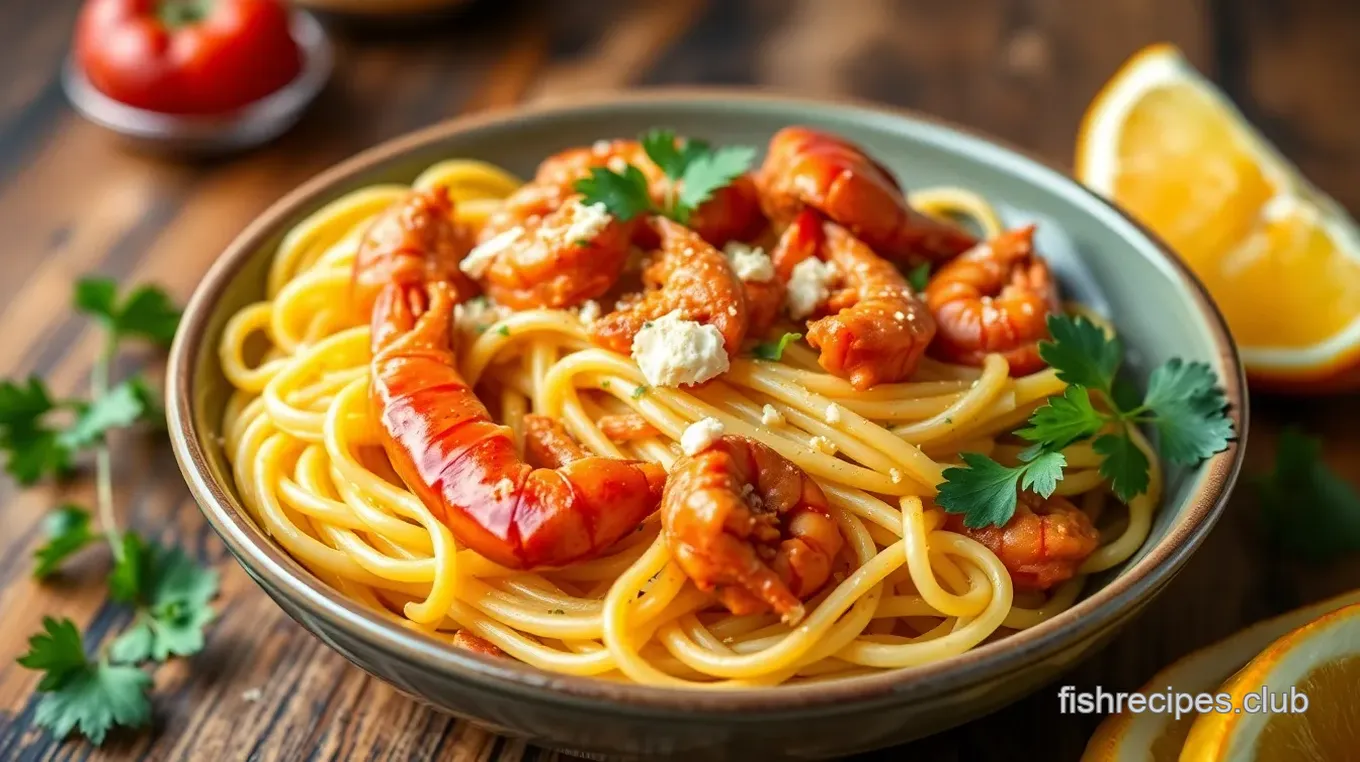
x: 186, y: 56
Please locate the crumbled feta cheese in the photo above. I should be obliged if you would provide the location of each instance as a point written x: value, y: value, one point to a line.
x: 809, y: 286
x: 251, y: 695
x: 672, y: 351
x: 476, y: 315
x: 895, y: 475
x: 771, y: 417
x: 587, y: 221
x: 750, y: 263
x: 589, y: 312
x: 602, y: 146
x: 701, y: 435
x: 481, y: 256
x: 823, y: 445
x: 833, y: 414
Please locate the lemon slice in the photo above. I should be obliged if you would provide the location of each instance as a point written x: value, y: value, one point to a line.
x: 1158, y: 737
x: 1281, y: 260
x: 1320, y: 662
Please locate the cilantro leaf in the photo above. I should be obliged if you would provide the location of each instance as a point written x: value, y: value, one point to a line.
x: 173, y: 595
x: 1081, y: 353
x: 984, y: 491
x: 1124, y: 465
x: 68, y: 532
x: 1307, y: 508
x: 121, y: 406
x: 919, y: 277
x: 1065, y: 419
x: 127, y: 578
x: 1042, y: 473
x: 1187, y: 410
x: 774, y: 350
x: 708, y: 172
x: 34, y: 454
x: 80, y: 694
x: 32, y: 446
x: 146, y: 312
x: 24, y: 404
x: 624, y: 194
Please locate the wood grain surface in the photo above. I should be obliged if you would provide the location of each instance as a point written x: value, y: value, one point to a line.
x: 73, y: 200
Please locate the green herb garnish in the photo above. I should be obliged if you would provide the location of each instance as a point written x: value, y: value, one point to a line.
x: 774, y: 350
x: 1183, y: 404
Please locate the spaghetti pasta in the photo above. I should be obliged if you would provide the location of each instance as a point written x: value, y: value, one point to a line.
x: 304, y: 445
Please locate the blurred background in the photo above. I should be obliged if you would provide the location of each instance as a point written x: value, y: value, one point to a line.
x: 75, y: 197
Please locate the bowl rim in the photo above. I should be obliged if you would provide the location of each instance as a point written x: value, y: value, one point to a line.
x: 278, y: 572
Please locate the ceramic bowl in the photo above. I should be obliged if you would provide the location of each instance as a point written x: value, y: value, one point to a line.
x: 1103, y: 258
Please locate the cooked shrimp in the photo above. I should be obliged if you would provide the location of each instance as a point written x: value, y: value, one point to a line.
x: 741, y: 518
x: 1044, y: 543
x: 544, y: 248
x: 547, y: 443
x: 443, y: 444
x: 688, y: 275
x: 801, y: 240
x: 881, y: 329
x: 805, y: 167
x: 414, y: 240
x: 732, y: 213
x: 995, y: 298
x: 466, y: 640
x: 626, y: 427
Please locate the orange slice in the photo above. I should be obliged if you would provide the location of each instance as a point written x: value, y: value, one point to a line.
x: 1281, y: 260
x: 1307, y: 680
x: 1159, y: 737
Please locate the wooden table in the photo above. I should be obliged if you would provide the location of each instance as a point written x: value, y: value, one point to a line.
x: 72, y: 201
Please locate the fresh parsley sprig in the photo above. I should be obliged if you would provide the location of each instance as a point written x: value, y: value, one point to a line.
x: 694, y: 169
x: 41, y: 436
x: 774, y: 350
x: 1183, y: 404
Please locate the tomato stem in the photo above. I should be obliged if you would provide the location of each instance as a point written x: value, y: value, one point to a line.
x: 180, y: 13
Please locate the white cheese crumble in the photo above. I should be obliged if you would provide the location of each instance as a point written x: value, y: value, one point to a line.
x: 251, y: 695
x: 476, y: 315
x: 750, y: 263
x: 809, y: 286
x: 589, y: 312
x: 823, y: 445
x: 483, y: 254
x: 672, y: 351
x: 833, y: 414
x: 771, y: 417
x: 587, y: 221
x: 701, y: 435
x: 895, y: 475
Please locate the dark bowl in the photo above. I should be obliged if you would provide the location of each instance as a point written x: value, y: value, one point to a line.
x: 1103, y: 258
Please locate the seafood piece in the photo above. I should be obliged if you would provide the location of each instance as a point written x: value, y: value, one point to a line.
x: 1043, y: 544
x: 805, y: 167
x: 732, y: 213
x: 443, y: 444
x: 689, y: 276
x: 466, y: 640
x: 544, y: 249
x: 994, y: 298
x: 765, y: 292
x: 414, y: 240
x: 547, y: 443
x: 740, y: 518
x: 881, y: 329
x: 626, y: 427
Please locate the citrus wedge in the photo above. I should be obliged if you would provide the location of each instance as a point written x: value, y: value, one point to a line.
x: 1320, y: 662
x: 1281, y: 260
x: 1159, y: 737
